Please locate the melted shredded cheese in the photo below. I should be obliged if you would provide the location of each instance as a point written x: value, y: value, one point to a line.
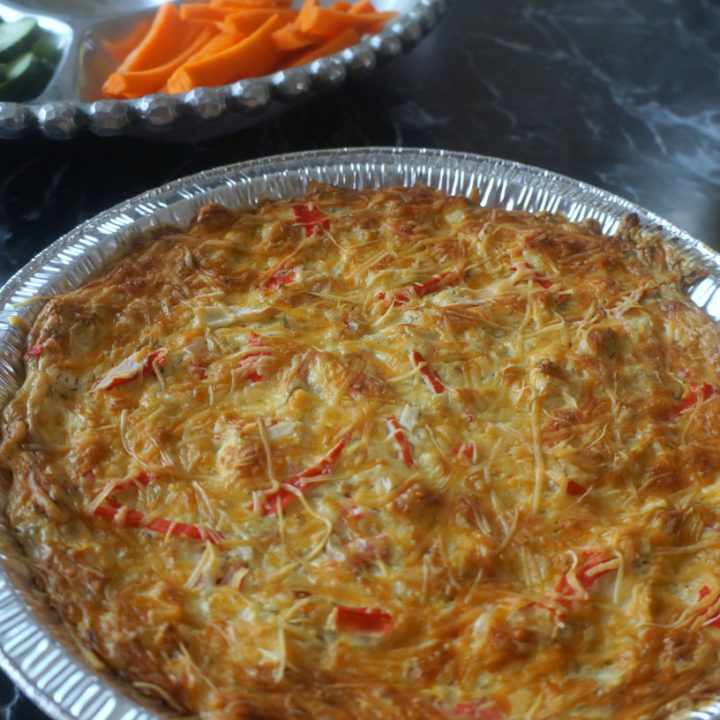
x: 522, y: 520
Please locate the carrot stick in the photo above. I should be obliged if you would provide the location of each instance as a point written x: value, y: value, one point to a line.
x: 345, y: 39
x: 119, y: 49
x: 248, y: 21
x: 364, y: 6
x: 238, y: 4
x: 155, y: 48
x: 144, y: 82
x: 325, y: 22
x: 203, y: 11
x: 289, y: 38
x: 253, y: 56
x: 220, y: 42
x: 306, y: 13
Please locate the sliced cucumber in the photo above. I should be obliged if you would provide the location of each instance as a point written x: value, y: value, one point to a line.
x: 46, y: 48
x: 25, y: 78
x: 17, y: 37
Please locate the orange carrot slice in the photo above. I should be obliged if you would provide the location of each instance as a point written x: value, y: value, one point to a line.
x: 289, y: 38
x: 306, y: 13
x: 248, y: 21
x: 335, y: 44
x: 119, y: 49
x: 144, y: 82
x: 326, y: 22
x: 364, y: 6
x: 204, y: 12
x: 154, y: 49
x: 253, y: 56
x: 251, y: 3
x: 220, y: 42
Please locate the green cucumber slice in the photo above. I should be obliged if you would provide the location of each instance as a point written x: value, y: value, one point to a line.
x: 25, y: 78
x: 17, y: 37
x: 46, y: 48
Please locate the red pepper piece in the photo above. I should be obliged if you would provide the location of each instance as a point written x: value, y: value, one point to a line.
x: 467, y: 451
x: 282, y: 497
x: 434, y: 284
x: 585, y: 577
x: 400, y: 298
x: 575, y: 488
x: 706, y: 390
x: 35, y: 351
x: 714, y: 620
x: 143, y: 478
x: 527, y: 265
x: 284, y: 276
x: 565, y: 594
x: 199, y: 369
x: 431, y: 377
x: 130, y: 369
x: 250, y: 360
x: 325, y: 465
x: 137, y: 519
x: 364, y: 620
x: 311, y: 219
x: 478, y: 710
x: 155, y: 359
x: 404, y: 449
x: 690, y: 398
x: 543, y: 282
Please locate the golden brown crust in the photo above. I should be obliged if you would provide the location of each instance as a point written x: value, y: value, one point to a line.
x: 381, y: 454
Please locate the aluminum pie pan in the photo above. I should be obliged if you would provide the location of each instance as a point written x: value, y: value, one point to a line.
x: 63, y: 109
x: 35, y: 650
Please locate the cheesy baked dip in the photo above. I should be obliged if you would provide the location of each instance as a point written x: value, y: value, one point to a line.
x: 381, y: 454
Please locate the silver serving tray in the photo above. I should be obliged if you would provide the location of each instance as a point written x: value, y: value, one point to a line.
x: 35, y: 650
x: 73, y: 100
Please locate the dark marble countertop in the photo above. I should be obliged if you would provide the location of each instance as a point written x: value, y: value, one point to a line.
x: 623, y: 94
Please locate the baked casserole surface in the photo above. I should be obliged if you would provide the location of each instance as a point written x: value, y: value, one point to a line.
x: 381, y: 454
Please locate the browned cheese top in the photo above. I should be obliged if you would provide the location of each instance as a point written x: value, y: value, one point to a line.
x: 381, y: 454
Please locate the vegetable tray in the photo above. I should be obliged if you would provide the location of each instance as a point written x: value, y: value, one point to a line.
x: 73, y: 101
